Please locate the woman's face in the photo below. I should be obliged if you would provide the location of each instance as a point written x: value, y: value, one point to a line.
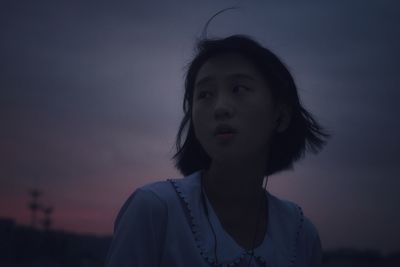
x: 230, y: 91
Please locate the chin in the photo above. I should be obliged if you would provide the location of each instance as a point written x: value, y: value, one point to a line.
x: 227, y: 158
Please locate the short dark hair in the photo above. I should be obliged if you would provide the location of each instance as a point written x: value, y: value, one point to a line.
x: 303, y: 133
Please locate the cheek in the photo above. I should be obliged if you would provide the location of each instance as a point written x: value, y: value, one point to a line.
x: 201, y: 113
x: 260, y: 123
x: 198, y: 122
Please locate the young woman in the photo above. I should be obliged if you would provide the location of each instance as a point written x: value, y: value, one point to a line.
x: 243, y: 121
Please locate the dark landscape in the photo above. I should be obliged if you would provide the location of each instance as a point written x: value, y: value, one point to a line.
x: 23, y: 246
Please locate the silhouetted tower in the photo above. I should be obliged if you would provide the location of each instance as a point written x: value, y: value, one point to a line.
x: 34, y: 205
x: 47, y: 222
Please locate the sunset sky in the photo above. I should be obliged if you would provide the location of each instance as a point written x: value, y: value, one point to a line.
x: 91, y: 92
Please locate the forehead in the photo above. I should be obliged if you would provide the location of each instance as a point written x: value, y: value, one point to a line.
x: 228, y: 66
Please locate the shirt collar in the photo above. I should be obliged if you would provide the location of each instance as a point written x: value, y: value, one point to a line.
x: 284, y: 223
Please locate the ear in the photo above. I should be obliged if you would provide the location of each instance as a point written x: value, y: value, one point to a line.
x: 284, y: 118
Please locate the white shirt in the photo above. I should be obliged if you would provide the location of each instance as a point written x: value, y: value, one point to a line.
x: 164, y: 224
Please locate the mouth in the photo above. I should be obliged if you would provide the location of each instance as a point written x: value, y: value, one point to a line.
x: 224, y: 130
x: 225, y: 136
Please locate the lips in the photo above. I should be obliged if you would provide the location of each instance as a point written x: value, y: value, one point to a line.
x: 224, y: 129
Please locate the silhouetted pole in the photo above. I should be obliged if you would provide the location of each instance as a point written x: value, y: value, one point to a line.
x: 47, y: 222
x: 34, y: 205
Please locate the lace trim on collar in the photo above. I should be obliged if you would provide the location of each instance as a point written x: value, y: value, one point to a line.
x: 265, y: 253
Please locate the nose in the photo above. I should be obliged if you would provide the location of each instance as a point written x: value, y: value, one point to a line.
x: 223, y: 108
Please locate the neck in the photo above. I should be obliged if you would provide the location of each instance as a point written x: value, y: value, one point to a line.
x: 238, y: 185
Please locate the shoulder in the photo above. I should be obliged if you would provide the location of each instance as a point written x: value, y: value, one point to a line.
x: 139, y: 228
x: 291, y: 219
x: 290, y: 211
x: 166, y: 190
x: 160, y: 189
x: 309, y: 230
x: 290, y: 224
x: 284, y: 210
x: 146, y: 201
x: 151, y: 194
x: 309, y: 245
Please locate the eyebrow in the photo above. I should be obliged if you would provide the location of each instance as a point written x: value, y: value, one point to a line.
x: 207, y: 79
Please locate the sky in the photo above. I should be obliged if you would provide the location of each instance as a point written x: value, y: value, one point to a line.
x: 91, y: 100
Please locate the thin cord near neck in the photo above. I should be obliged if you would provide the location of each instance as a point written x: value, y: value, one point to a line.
x: 208, y: 219
x: 212, y: 229
x: 257, y: 222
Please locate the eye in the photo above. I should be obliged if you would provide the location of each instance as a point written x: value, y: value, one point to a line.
x: 204, y: 94
x: 239, y: 88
